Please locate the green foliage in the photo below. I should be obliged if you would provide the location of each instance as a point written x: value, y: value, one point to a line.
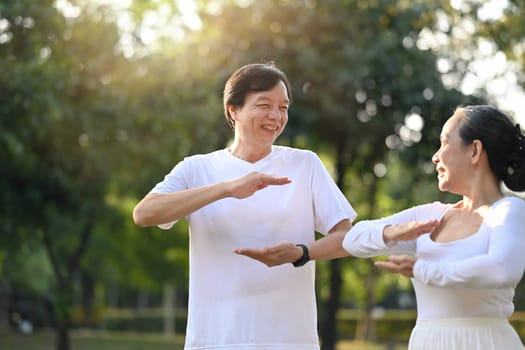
x: 91, y: 118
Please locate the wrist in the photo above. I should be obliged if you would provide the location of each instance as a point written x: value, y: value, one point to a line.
x: 304, y: 258
x: 389, y: 242
x: 387, y: 234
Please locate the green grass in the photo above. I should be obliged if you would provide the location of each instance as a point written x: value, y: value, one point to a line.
x: 86, y: 340
x: 89, y: 340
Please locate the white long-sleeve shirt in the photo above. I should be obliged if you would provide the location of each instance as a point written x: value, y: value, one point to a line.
x: 470, y: 277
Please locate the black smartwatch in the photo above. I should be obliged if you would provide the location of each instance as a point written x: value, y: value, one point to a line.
x: 303, y: 259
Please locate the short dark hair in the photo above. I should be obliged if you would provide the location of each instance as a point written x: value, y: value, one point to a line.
x: 249, y: 78
x: 502, y: 140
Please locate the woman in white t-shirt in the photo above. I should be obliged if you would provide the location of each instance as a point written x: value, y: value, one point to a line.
x: 252, y: 194
x: 464, y: 259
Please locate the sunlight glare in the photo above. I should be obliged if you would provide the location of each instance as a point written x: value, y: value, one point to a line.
x: 488, y: 68
x: 414, y: 122
x: 188, y: 9
x: 68, y: 9
x: 492, y: 10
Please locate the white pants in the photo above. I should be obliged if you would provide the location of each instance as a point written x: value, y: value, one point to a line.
x: 480, y: 333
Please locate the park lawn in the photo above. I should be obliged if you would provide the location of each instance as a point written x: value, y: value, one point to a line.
x: 87, y: 340
x: 90, y: 340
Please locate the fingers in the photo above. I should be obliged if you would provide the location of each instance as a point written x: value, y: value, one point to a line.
x: 418, y: 228
x: 403, y: 264
x: 245, y: 251
x: 281, y: 253
x: 274, y: 180
x: 402, y: 259
x: 255, y: 254
x: 387, y: 266
x: 410, y: 230
x: 247, y: 185
x: 428, y: 226
x: 396, y: 259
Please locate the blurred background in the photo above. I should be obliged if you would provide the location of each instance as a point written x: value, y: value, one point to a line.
x: 100, y: 98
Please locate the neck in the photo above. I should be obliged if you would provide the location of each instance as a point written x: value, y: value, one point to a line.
x: 482, y: 198
x: 483, y: 188
x: 247, y: 153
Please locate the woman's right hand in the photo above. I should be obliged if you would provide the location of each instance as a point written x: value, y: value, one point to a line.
x: 408, y: 231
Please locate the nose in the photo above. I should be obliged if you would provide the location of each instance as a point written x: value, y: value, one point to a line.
x: 435, y: 157
x: 275, y: 113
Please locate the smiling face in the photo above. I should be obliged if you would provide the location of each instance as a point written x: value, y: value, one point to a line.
x: 262, y: 117
x: 452, y: 159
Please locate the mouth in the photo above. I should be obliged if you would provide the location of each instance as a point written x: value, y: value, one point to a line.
x: 270, y: 127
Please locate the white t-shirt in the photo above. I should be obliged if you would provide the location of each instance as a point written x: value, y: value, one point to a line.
x: 471, y: 277
x: 236, y: 302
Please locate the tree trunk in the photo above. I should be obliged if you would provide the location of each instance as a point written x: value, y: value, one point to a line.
x: 65, y: 267
x: 169, y: 309
x: 62, y: 308
x: 328, y: 326
x: 4, y: 296
x: 366, y: 326
x: 366, y: 330
x: 88, y: 298
x: 62, y: 333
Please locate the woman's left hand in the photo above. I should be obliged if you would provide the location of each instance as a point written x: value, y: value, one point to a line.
x: 403, y: 264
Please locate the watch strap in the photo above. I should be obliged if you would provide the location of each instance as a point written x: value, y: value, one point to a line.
x: 304, y: 258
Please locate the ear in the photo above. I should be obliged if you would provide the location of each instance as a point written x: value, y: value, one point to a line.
x: 477, y: 150
x: 233, y: 112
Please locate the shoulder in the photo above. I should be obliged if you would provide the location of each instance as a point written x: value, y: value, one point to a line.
x: 513, y: 203
x: 197, y: 161
x: 291, y: 154
x: 429, y: 211
x: 509, y: 209
x: 205, y: 157
x: 292, y: 151
x: 435, y: 206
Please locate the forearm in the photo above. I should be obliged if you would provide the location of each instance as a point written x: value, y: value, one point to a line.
x: 160, y: 208
x: 331, y: 245
x: 366, y: 240
x: 328, y: 247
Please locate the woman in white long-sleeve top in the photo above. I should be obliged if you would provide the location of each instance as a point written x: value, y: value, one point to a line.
x: 464, y: 259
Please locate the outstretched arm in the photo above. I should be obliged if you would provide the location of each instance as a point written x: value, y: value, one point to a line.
x: 160, y: 208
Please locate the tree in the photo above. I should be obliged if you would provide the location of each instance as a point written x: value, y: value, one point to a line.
x: 56, y: 99
x: 98, y: 113
x: 352, y: 66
